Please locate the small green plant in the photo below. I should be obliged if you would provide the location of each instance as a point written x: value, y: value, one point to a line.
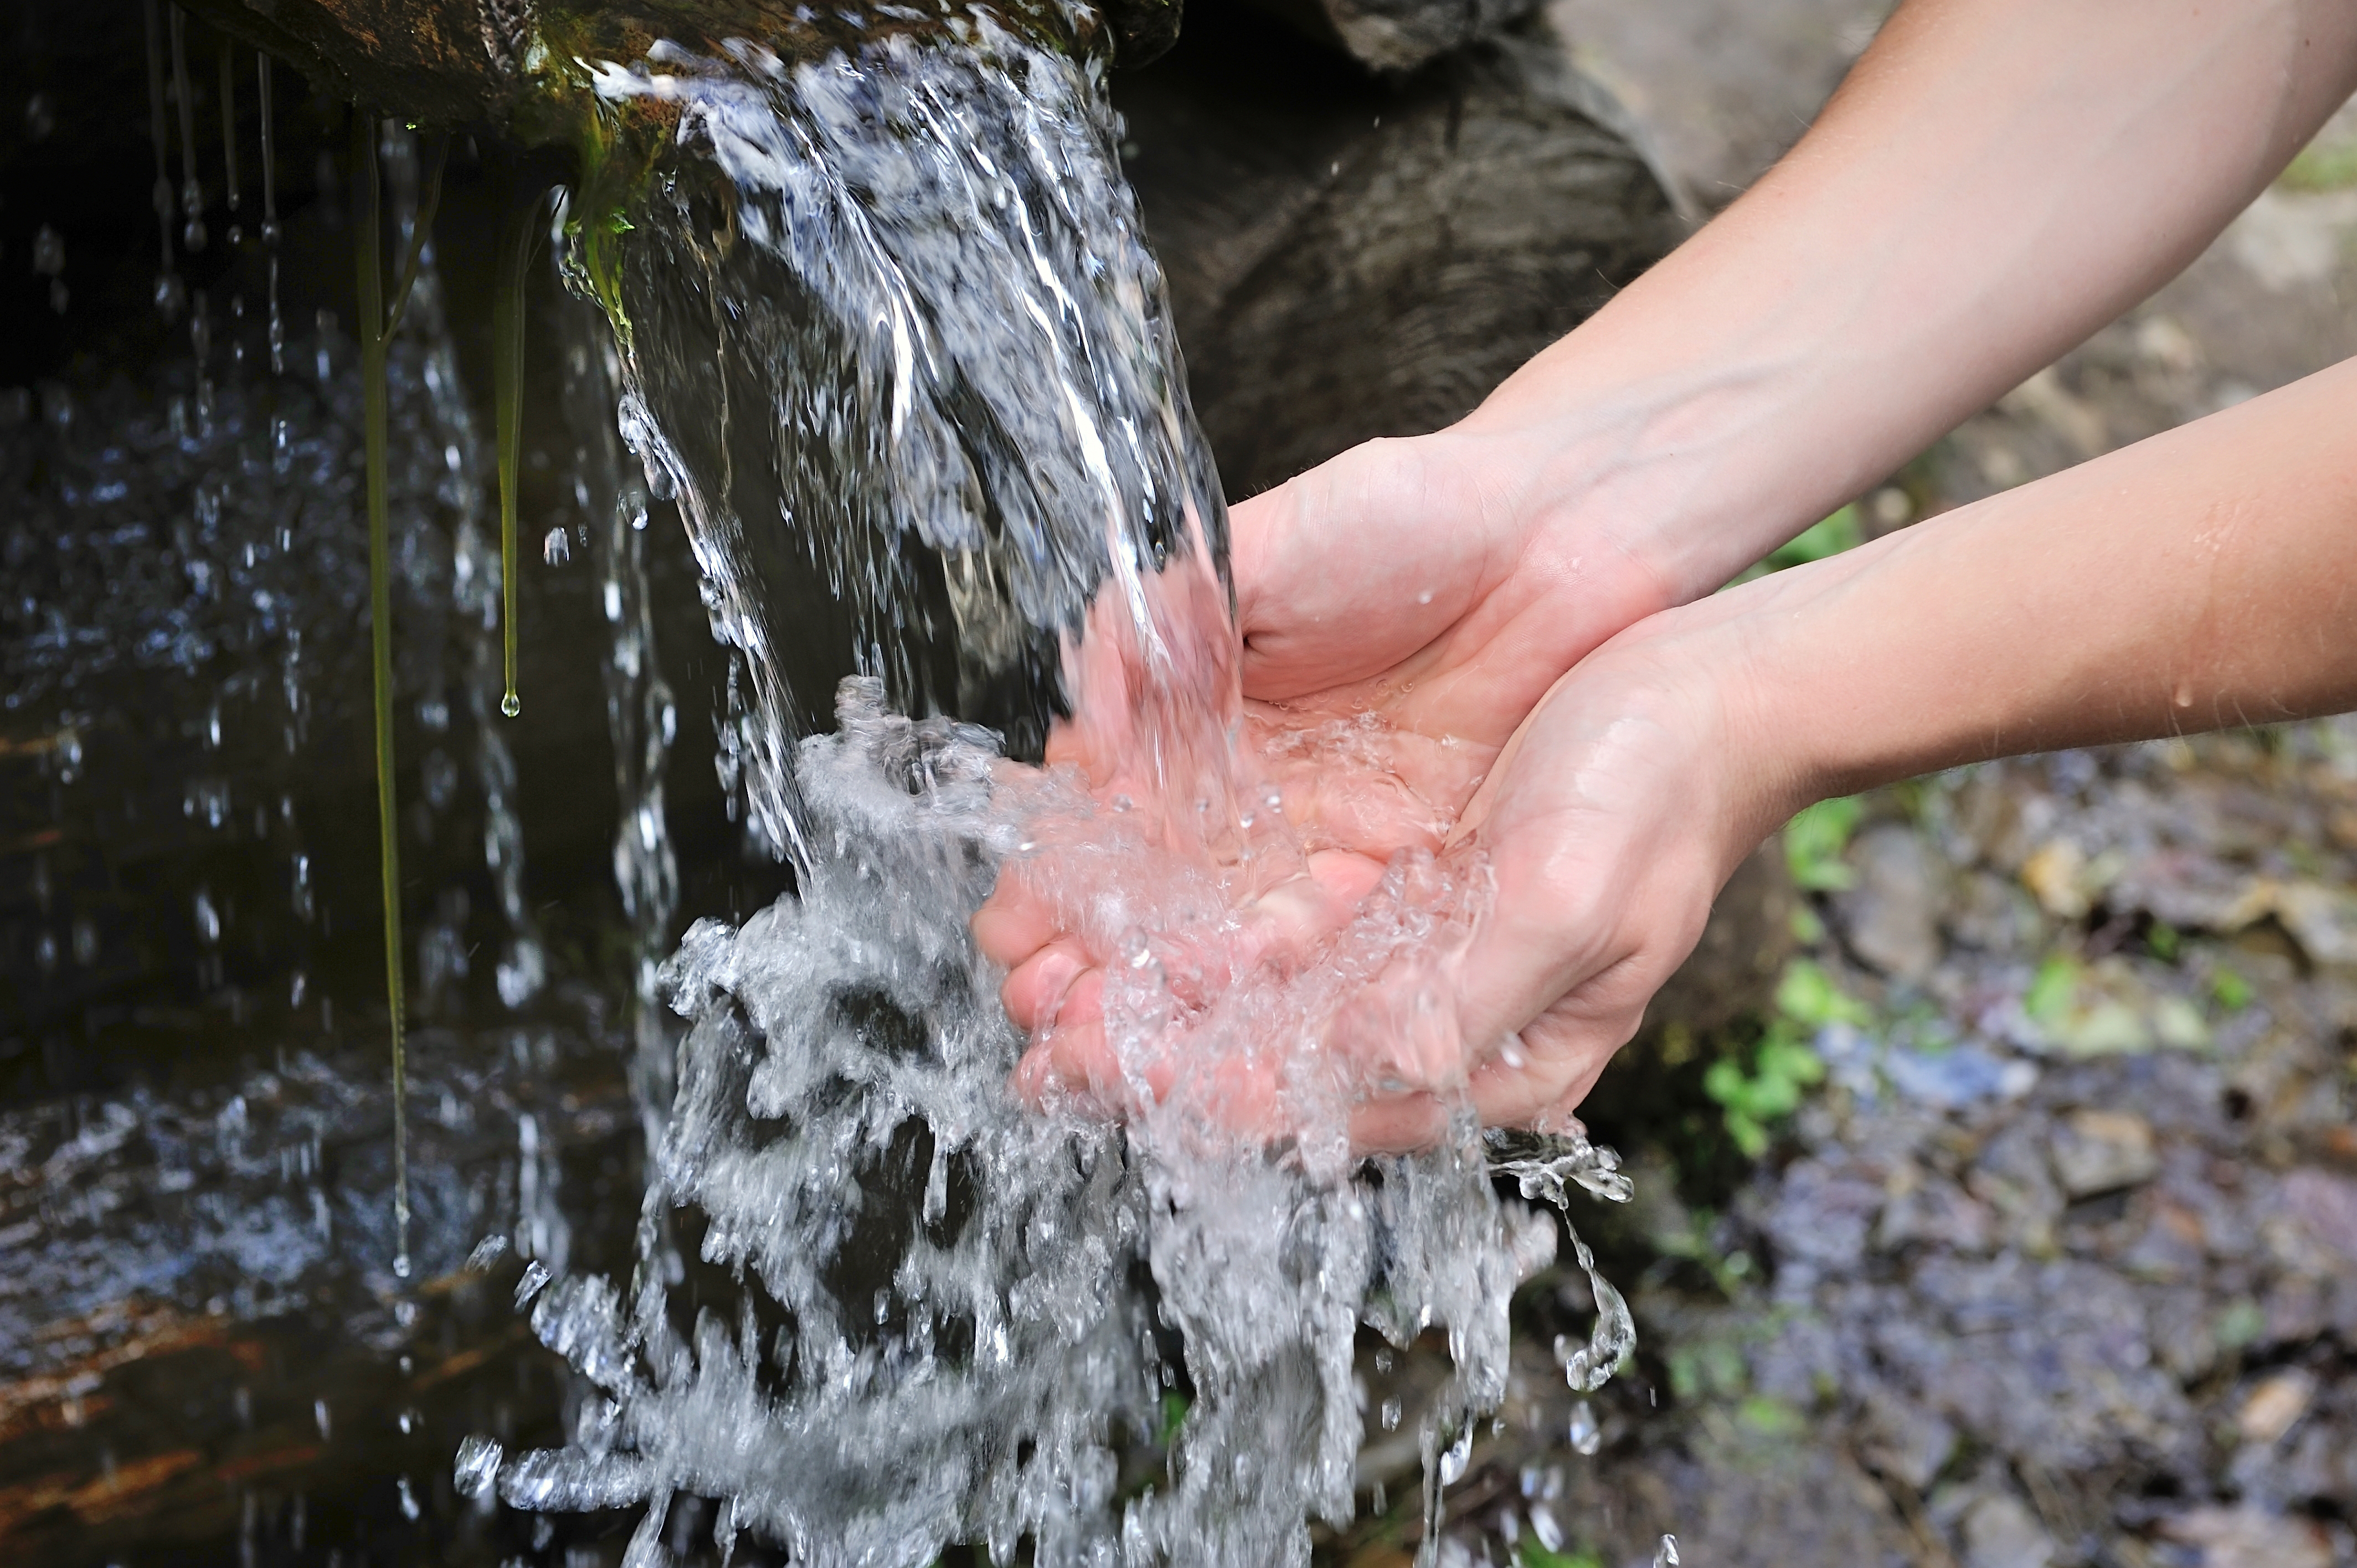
x: 1781, y: 1068
x: 1783, y: 1064
x: 1809, y: 997
x: 1813, y: 841
x: 2230, y: 990
x: 1694, y: 1243
x: 2052, y: 989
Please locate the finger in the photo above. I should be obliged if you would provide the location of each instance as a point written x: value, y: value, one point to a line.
x: 1038, y: 992
x: 1398, y: 1124
x: 1013, y: 923
x: 1548, y: 1068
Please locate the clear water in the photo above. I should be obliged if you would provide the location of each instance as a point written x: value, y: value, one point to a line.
x: 889, y: 331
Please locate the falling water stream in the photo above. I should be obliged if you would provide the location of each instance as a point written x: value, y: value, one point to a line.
x: 889, y: 334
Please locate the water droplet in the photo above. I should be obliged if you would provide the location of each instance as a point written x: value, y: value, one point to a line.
x: 477, y: 1467
x: 557, y: 548
x: 1666, y: 1555
x: 512, y: 705
x: 1454, y: 1460
x: 1586, y: 1435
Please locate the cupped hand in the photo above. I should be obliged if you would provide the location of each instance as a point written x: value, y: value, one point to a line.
x: 1401, y: 614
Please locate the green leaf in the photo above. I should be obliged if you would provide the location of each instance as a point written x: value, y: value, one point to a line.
x: 1809, y: 997
x: 1791, y: 1060
x: 2052, y: 989
x: 2231, y: 990
x: 1724, y: 1082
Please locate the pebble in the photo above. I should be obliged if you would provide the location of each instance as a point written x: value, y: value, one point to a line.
x: 2096, y: 1151
x: 2271, y: 1408
x: 2000, y: 1531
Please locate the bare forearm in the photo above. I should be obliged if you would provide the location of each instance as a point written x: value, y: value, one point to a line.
x: 2206, y: 578
x: 1997, y: 180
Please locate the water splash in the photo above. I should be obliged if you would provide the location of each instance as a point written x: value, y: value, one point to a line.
x: 888, y: 327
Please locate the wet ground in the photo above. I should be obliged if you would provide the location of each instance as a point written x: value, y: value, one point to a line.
x: 2056, y: 1263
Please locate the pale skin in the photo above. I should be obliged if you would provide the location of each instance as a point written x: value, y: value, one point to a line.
x: 1527, y: 596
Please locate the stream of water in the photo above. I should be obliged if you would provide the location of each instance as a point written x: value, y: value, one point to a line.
x: 889, y: 333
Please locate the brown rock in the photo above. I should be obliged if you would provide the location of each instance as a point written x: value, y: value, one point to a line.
x: 2103, y: 1151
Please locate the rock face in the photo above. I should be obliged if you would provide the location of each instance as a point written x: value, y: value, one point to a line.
x: 473, y: 62
x: 1400, y: 34
x: 1350, y: 257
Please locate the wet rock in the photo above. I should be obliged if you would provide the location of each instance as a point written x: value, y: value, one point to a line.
x: 1958, y: 1076
x: 2321, y: 1465
x: 2325, y: 1205
x: 1903, y: 1440
x: 1891, y: 915
x: 2103, y: 1151
x: 1932, y: 1210
x: 2000, y: 1531
x: 1822, y: 1217
x: 1745, y: 1500
x: 2051, y: 1363
x: 2012, y: 1177
x: 1990, y: 914
x: 2065, y: 879
x: 2251, y: 1538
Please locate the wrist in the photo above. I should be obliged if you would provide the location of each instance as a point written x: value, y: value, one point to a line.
x: 1753, y: 766
x: 1678, y: 478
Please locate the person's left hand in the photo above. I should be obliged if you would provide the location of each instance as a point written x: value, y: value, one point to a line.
x: 1608, y: 824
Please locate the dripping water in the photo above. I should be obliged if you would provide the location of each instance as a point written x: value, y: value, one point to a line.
x: 278, y: 328
x: 167, y: 292
x: 192, y: 192
x: 507, y: 347
x: 228, y: 137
